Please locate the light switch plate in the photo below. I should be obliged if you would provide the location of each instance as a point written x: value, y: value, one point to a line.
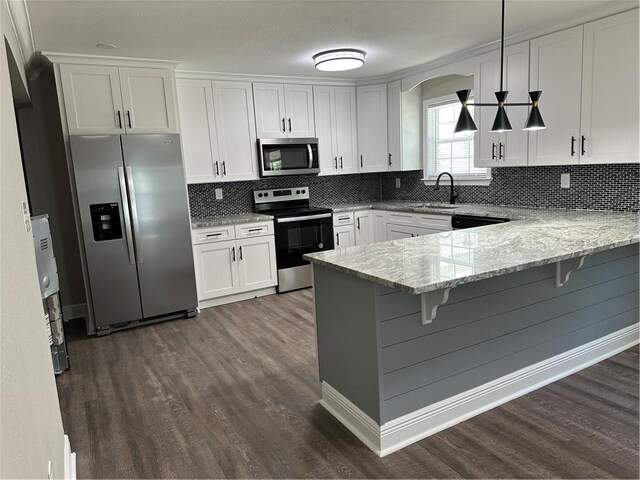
x: 397, y: 183
x: 565, y: 180
x: 218, y: 194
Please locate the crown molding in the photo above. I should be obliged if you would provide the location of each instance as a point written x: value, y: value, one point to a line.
x: 246, y: 77
x: 21, y: 23
x: 78, y: 58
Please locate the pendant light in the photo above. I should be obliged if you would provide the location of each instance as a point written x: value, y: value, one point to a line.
x: 501, y: 123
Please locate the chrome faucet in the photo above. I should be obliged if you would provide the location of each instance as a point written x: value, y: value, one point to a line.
x: 454, y: 194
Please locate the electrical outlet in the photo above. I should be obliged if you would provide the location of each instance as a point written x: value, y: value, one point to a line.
x: 218, y: 194
x: 565, y: 180
x: 397, y: 183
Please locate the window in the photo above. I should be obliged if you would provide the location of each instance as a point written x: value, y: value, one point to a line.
x: 445, y: 151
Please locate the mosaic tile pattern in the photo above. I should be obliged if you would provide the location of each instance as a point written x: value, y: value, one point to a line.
x: 593, y: 187
x: 238, y: 196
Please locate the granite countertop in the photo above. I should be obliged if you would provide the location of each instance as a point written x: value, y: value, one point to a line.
x: 228, y: 220
x: 534, y: 237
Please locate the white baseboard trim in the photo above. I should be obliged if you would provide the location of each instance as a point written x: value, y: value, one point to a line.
x: 236, y: 297
x: 76, y: 310
x: 415, y: 426
x: 69, y: 460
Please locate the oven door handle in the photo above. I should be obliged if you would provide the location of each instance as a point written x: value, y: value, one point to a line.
x: 303, y: 218
x: 310, y: 155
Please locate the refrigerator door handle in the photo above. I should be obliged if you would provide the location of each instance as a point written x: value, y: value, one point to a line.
x: 134, y: 214
x: 125, y: 214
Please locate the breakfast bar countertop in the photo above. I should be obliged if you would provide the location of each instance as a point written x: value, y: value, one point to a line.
x: 532, y: 238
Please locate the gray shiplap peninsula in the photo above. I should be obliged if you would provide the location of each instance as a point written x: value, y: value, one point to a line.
x: 416, y: 335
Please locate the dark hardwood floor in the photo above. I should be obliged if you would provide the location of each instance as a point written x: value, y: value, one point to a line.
x: 233, y: 393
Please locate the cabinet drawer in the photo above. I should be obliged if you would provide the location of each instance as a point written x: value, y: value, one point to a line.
x: 436, y: 222
x: 397, y: 218
x: 255, y: 229
x: 213, y: 234
x: 345, y: 218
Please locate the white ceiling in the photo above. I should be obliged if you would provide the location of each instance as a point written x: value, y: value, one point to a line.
x: 279, y: 37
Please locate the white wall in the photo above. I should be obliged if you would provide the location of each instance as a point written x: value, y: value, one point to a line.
x: 31, y: 430
x: 445, y: 85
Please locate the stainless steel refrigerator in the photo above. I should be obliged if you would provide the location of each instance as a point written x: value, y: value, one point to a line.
x: 132, y: 202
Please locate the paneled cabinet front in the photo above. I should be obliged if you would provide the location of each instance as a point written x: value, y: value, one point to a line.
x: 256, y: 263
x: 216, y: 269
x: 218, y: 133
x: 283, y: 111
x: 335, y: 120
x: 104, y: 100
x: 372, y: 128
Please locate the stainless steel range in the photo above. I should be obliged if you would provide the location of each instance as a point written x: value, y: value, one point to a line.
x: 299, y: 229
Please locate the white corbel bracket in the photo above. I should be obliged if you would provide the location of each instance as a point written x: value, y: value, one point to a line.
x: 430, y: 303
x: 564, y: 268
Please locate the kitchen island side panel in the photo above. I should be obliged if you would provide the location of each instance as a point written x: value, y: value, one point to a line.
x: 496, y: 326
x: 348, y: 337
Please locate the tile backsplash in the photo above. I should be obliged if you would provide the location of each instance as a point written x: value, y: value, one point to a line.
x: 594, y: 187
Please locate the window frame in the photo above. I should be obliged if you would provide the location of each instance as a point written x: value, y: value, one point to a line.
x: 459, y: 179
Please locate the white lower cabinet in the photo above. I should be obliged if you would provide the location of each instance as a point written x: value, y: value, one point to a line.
x: 231, y: 263
x: 363, y: 227
x: 379, y: 226
x: 344, y: 236
x: 406, y: 225
x: 398, y: 232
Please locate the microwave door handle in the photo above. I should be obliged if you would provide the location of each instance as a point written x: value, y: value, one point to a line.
x: 310, y: 155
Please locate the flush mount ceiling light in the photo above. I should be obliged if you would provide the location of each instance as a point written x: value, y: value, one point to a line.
x: 501, y: 123
x: 339, y: 59
x: 106, y: 45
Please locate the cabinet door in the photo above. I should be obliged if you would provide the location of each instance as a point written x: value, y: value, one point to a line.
x: 148, y: 100
x: 556, y: 69
x: 269, y: 110
x: 379, y: 226
x: 236, y: 131
x: 420, y: 231
x: 92, y: 99
x: 324, y: 102
x: 372, y: 128
x: 257, y: 263
x: 216, y: 266
x: 346, y: 129
x: 485, y: 86
x: 364, y: 227
x: 198, y: 127
x: 298, y: 105
x: 514, y: 150
x: 394, y: 125
x: 397, y: 232
x: 610, y: 90
x: 345, y: 236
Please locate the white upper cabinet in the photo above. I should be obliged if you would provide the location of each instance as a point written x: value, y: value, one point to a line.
x: 335, y: 123
x: 148, y: 100
x: 610, y: 90
x: 92, y: 99
x: 404, y: 128
x: 111, y: 100
x: 197, y: 124
x: 283, y: 110
x: 486, y: 83
x: 556, y: 69
x: 235, y: 130
x: 372, y: 128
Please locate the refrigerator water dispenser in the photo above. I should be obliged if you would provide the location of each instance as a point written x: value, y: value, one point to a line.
x: 105, y: 218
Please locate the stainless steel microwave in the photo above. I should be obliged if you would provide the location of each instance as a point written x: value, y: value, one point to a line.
x: 288, y: 156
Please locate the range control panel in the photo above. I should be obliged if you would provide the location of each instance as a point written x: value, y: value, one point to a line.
x: 280, y: 194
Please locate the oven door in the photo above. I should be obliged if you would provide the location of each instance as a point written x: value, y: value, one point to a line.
x: 282, y: 156
x: 296, y: 236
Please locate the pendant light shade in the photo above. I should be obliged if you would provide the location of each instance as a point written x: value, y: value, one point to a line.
x: 535, y: 122
x: 501, y: 122
x: 465, y: 122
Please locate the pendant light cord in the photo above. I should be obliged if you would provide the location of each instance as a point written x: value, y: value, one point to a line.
x: 502, y: 48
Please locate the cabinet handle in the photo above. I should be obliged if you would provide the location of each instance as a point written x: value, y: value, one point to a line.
x: 358, y: 220
x: 390, y: 162
x: 119, y: 120
x: 255, y: 230
x: 289, y: 123
x: 233, y: 253
x: 341, y: 167
x: 224, y: 168
x: 573, y: 145
x: 214, y: 234
x: 501, y: 151
x: 129, y: 118
x: 343, y: 218
x: 240, y: 252
x: 338, y: 239
x: 284, y: 130
x: 217, y: 168
x: 361, y: 161
x: 583, y: 141
x: 493, y: 151
x: 335, y: 159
